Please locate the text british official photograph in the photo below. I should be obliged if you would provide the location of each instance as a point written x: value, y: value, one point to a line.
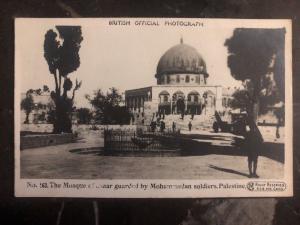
x: 153, y: 108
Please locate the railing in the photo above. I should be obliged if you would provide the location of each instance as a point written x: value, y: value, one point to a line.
x: 142, y: 140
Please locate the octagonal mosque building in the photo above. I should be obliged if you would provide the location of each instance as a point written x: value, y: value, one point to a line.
x: 181, y: 76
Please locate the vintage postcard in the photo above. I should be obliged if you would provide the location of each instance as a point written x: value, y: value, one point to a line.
x: 153, y: 108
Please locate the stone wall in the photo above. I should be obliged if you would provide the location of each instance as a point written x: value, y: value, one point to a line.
x: 48, y: 128
x: 35, y: 141
x: 44, y: 127
x: 80, y: 131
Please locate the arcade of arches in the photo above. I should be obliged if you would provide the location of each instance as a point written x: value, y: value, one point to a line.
x: 178, y: 103
x: 174, y: 99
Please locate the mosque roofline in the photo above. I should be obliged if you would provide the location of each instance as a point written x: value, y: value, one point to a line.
x: 138, y: 89
x: 175, y: 72
x: 172, y: 86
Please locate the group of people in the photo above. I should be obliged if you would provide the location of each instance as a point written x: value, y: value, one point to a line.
x: 162, y: 126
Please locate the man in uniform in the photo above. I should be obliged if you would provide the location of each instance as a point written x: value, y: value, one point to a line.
x: 253, y: 144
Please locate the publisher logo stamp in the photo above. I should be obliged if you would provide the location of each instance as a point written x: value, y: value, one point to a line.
x: 262, y: 186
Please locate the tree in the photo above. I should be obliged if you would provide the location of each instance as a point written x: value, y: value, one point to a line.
x: 240, y: 100
x: 27, y: 105
x: 107, y: 107
x: 255, y: 54
x: 63, y: 58
x: 84, y: 115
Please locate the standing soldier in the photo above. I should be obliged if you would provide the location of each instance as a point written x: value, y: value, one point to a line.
x: 153, y: 126
x: 162, y: 126
x: 190, y: 126
x: 174, y: 126
x: 253, y: 143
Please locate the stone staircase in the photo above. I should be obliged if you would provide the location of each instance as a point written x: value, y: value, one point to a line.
x: 199, y: 122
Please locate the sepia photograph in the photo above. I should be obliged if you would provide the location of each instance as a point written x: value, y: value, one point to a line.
x: 139, y: 107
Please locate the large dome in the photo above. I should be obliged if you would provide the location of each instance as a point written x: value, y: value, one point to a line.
x: 181, y: 58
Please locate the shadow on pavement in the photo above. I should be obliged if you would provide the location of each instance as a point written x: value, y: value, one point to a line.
x: 195, y: 147
x: 271, y: 150
x: 228, y: 170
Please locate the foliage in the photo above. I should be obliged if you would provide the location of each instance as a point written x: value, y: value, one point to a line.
x: 269, y: 95
x: 27, y: 105
x: 107, y: 107
x: 84, y: 115
x: 240, y: 99
x: 251, y: 52
x: 256, y: 57
x: 42, y: 117
x: 50, y: 116
x: 63, y: 58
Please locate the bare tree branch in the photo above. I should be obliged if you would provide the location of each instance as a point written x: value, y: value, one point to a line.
x: 77, y: 86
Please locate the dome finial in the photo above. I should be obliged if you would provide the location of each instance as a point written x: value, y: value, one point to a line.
x: 181, y: 40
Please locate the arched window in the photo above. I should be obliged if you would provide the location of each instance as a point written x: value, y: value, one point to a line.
x: 161, y: 80
x: 168, y: 79
x: 196, y: 98
x: 224, y: 102
x: 165, y: 98
x: 202, y: 81
x: 187, y: 79
x: 193, y: 96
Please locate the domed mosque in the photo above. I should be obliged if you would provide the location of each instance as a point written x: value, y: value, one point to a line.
x: 181, y: 86
x: 181, y: 64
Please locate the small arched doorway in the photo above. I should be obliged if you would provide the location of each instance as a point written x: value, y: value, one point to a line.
x: 194, y: 103
x: 164, y: 106
x: 209, y: 101
x: 178, y: 102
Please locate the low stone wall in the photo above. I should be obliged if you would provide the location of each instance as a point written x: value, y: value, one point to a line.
x: 83, y: 127
x: 35, y: 141
x: 48, y: 128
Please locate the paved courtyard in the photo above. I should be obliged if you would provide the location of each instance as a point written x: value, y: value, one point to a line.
x: 81, y: 160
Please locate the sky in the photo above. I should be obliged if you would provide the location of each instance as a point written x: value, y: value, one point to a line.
x: 124, y: 57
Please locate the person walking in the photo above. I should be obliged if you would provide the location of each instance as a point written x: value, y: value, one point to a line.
x: 190, y: 126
